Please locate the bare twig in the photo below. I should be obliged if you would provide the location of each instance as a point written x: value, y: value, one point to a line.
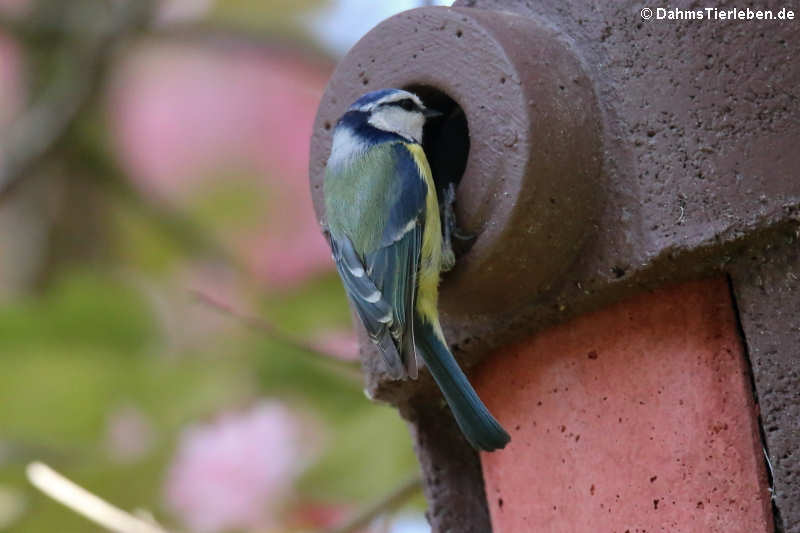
x: 87, y: 504
x: 112, y: 518
x: 36, y: 133
x: 388, y: 503
x: 262, y: 325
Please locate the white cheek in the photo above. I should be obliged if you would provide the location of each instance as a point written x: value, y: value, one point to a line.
x: 415, y: 123
x: 396, y: 120
x: 419, y: 122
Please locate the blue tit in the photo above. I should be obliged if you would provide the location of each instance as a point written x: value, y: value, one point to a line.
x: 385, y: 233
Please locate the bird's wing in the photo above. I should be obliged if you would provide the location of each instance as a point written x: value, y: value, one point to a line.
x: 375, y: 312
x: 382, y: 282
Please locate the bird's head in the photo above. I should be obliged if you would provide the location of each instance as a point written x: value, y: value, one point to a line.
x: 394, y: 111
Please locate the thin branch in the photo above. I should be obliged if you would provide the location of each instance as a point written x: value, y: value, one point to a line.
x: 262, y: 325
x: 112, y: 518
x: 36, y: 133
x: 390, y: 502
x: 85, y: 503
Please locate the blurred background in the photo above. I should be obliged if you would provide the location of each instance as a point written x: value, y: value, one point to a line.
x: 172, y: 334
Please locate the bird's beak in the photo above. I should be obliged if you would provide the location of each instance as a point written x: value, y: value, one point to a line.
x: 431, y: 113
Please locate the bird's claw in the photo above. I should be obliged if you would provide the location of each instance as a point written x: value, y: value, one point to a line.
x: 449, y: 227
x: 448, y: 258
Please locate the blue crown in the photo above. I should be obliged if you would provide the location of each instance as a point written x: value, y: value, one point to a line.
x: 370, y: 97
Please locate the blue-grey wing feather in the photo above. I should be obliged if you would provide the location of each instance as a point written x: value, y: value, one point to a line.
x: 376, y: 313
x: 394, y: 269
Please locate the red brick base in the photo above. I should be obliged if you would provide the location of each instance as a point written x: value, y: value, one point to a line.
x: 638, y: 418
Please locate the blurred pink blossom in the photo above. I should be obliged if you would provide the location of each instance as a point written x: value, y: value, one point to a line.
x: 184, y: 115
x: 15, y: 7
x: 235, y: 473
x: 129, y: 435
x: 317, y: 515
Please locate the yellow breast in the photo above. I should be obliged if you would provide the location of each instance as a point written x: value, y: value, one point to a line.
x: 431, y: 254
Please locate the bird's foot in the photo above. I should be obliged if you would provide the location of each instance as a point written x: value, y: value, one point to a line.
x: 449, y: 228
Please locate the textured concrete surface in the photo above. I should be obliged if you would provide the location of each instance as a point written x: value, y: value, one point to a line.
x: 636, y: 418
x: 699, y: 122
x: 451, y: 468
x: 766, y: 281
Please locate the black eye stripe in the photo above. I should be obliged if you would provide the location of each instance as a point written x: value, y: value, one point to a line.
x: 406, y: 103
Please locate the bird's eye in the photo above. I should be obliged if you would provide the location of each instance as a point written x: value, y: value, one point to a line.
x: 406, y: 104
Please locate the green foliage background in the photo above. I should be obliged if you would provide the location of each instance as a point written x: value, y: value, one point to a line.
x: 89, y: 343
x: 88, y: 339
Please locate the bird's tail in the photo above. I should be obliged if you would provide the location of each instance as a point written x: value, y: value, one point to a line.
x: 476, y: 422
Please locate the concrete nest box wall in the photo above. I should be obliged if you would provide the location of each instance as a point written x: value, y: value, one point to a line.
x: 519, y: 96
x: 599, y: 157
